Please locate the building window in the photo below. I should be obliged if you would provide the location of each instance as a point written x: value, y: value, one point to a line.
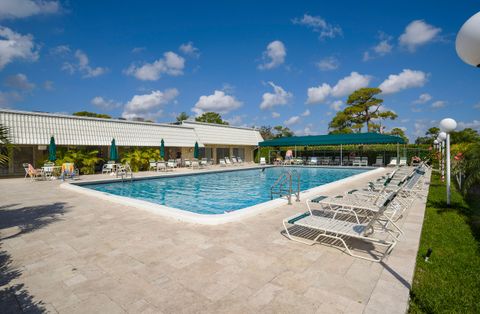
x: 239, y: 152
x: 222, y: 153
x: 206, y: 152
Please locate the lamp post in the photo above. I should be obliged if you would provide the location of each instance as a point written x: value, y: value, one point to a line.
x: 435, y: 147
x: 448, y: 125
x: 467, y: 43
x: 441, y: 139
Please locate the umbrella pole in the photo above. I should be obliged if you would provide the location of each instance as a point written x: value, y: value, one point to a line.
x: 341, y: 155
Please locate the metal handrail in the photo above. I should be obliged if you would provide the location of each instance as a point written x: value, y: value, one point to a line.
x: 287, y: 176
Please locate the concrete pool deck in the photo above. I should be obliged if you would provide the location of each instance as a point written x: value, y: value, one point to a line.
x: 66, y: 252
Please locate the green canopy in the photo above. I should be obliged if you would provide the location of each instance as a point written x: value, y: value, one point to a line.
x: 52, y: 150
x: 162, y: 149
x: 113, y: 151
x: 334, y: 139
x: 196, y: 153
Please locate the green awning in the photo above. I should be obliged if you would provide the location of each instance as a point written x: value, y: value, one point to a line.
x: 334, y: 139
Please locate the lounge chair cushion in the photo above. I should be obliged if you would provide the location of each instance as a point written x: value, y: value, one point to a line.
x: 332, y: 225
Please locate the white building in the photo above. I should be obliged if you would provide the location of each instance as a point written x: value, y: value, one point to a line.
x: 30, y: 134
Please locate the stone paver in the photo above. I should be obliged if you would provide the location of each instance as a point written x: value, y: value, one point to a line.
x: 69, y: 253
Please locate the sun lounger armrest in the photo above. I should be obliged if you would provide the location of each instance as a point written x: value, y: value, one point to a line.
x: 297, y: 217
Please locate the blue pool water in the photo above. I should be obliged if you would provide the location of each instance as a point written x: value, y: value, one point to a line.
x: 216, y: 193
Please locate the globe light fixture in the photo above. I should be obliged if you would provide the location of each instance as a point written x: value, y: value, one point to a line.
x: 448, y: 125
x: 468, y: 41
x: 442, y: 136
x: 435, y: 142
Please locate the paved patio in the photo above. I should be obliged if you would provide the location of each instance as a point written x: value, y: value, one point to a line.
x: 61, y: 251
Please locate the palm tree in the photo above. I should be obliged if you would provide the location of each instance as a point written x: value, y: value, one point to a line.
x: 4, y: 145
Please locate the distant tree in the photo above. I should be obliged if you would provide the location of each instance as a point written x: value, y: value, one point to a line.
x: 341, y: 123
x: 363, y: 107
x: 266, y: 132
x: 281, y: 131
x: 399, y: 132
x: 182, y: 117
x: 429, y: 137
x: 91, y: 114
x: 467, y: 135
x: 211, y: 117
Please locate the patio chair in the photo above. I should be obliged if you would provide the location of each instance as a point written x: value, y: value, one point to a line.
x: 357, y: 161
x: 228, y: 162
x: 152, y: 165
x: 263, y: 162
x: 336, y: 161
x: 188, y: 163
x: 161, y: 166
x: 204, y: 162
x: 33, y: 173
x: 108, y: 168
x: 69, y: 171
x: 313, y: 161
x: 240, y: 160
x: 222, y: 163
x: 378, y: 162
x: 340, y: 230
x: 195, y: 164
x: 234, y: 161
x: 171, y: 164
x: 364, y: 162
x: 393, y: 162
x: 403, y: 161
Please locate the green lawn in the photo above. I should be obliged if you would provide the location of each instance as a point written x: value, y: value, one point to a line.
x: 450, y: 281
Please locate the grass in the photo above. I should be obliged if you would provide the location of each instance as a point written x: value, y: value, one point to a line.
x: 450, y: 281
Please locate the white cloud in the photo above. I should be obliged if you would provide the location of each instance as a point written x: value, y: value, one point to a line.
x: 19, y: 81
x: 275, y: 115
x: 477, y: 106
x: 475, y: 124
x: 82, y: 65
x: 418, y: 33
x: 171, y: 64
x: 217, y: 102
x: 423, y: 98
x: 350, y: 83
x: 138, y: 49
x: 406, y: 79
x: 336, y: 105
x: 319, y: 25
x: 274, y: 55
x: 9, y: 98
x: 317, y: 95
x: 382, y: 48
x: 344, y: 86
x: 48, y: 85
x: 11, y: 9
x: 237, y: 120
x: 279, y: 97
x: 438, y: 104
x: 103, y: 103
x: 189, y: 49
x: 16, y: 46
x: 148, y: 106
x: 328, y: 64
x: 292, y: 121
x: 60, y: 50
x: 306, y: 113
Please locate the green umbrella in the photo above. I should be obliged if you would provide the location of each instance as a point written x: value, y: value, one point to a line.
x: 52, y: 150
x: 195, y: 151
x: 113, y: 151
x: 162, y: 149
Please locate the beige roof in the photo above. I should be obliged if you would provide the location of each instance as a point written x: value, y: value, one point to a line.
x: 34, y: 128
x: 224, y: 134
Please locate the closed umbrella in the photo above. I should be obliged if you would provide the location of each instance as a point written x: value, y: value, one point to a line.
x: 195, y: 151
x: 162, y: 149
x: 113, y: 151
x: 52, y: 150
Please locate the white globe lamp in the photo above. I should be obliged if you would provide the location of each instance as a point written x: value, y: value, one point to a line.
x: 442, y: 136
x: 448, y: 125
x: 468, y: 41
x: 435, y: 142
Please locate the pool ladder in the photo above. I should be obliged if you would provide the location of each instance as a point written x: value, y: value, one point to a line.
x: 283, y: 186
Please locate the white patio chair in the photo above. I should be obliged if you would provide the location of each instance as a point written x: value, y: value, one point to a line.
x: 378, y: 162
x: 152, y: 165
x: 222, y: 163
x: 263, y: 162
x: 228, y: 162
x: 364, y: 162
x: 161, y: 166
x: 393, y: 162
x: 357, y: 162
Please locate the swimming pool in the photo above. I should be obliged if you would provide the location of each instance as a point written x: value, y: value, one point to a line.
x: 218, y: 192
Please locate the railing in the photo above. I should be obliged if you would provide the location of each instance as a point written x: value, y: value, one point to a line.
x: 124, y: 172
x: 283, y: 186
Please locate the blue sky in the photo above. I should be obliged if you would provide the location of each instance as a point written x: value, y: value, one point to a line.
x: 257, y: 62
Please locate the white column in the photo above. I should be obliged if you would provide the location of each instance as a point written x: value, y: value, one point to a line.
x: 442, y: 158
x: 447, y: 157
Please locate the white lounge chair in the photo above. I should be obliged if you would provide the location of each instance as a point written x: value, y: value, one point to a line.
x: 195, y: 164
x: 152, y: 165
x: 393, y: 162
x: 228, y: 162
x: 234, y: 161
x: 378, y: 162
x: 188, y: 163
x: 222, y: 163
x: 161, y: 166
x: 357, y: 162
x: 364, y: 162
x: 240, y: 160
x: 109, y: 167
x: 171, y: 164
x: 204, y: 162
x: 263, y: 162
x: 336, y: 229
x: 403, y: 161
x: 313, y: 161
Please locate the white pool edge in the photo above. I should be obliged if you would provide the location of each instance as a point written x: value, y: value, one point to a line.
x: 206, y: 219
